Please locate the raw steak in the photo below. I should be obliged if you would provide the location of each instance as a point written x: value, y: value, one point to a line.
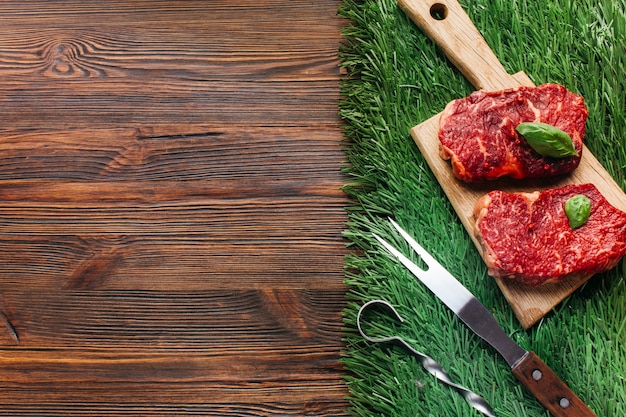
x: 527, y: 236
x: 478, y: 132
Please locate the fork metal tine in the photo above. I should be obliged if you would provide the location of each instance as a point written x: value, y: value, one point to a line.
x: 451, y: 292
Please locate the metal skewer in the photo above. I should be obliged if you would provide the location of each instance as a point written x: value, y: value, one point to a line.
x: 429, y: 364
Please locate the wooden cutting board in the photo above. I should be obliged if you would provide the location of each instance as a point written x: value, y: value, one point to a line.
x: 448, y: 25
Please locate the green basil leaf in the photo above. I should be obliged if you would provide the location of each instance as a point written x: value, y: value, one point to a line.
x: 547, y: 140
x: 577, y: 209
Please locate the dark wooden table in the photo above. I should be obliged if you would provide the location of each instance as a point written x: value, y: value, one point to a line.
x: 170, y: 208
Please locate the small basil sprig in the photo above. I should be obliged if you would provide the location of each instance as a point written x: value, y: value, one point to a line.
x: 547, y: 140
x: 577, y: 209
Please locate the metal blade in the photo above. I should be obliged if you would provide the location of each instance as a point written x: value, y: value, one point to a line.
x: 456, y: 297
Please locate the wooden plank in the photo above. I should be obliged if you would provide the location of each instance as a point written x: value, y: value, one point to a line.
x: 115, y: 103
x: 140, y: 64
x: 178, y: 319
x: 170, y: 208
x: 231, y: 350
x: 200, y: 263
x: 207, y: 154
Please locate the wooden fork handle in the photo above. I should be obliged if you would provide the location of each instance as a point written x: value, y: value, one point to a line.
x: 549, y: 390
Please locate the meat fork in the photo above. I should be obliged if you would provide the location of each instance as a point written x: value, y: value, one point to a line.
x: 532, y: 372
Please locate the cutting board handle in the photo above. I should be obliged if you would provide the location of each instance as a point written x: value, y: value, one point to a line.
x: 446, y: 23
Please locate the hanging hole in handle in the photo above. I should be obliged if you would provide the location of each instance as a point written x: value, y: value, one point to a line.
x: 438, y: 11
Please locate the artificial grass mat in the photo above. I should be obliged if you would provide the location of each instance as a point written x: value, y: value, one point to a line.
x: 396, y: 79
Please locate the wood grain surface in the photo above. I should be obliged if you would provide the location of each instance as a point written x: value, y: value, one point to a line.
x: 170, y: 208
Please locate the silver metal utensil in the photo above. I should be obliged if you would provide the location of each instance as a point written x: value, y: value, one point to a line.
x: 429, y: 364
x: 535, y: 375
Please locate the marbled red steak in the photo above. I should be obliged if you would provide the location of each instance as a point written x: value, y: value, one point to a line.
x: 478, y: 132
x: 527, y: 236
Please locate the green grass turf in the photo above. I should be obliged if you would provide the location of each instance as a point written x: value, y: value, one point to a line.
x: 396, y: 79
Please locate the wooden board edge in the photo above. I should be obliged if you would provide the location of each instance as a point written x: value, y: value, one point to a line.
x: 535, y: 305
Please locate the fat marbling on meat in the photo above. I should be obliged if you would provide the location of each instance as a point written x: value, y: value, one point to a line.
x: 478, y: 135
x: 527, y: 236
